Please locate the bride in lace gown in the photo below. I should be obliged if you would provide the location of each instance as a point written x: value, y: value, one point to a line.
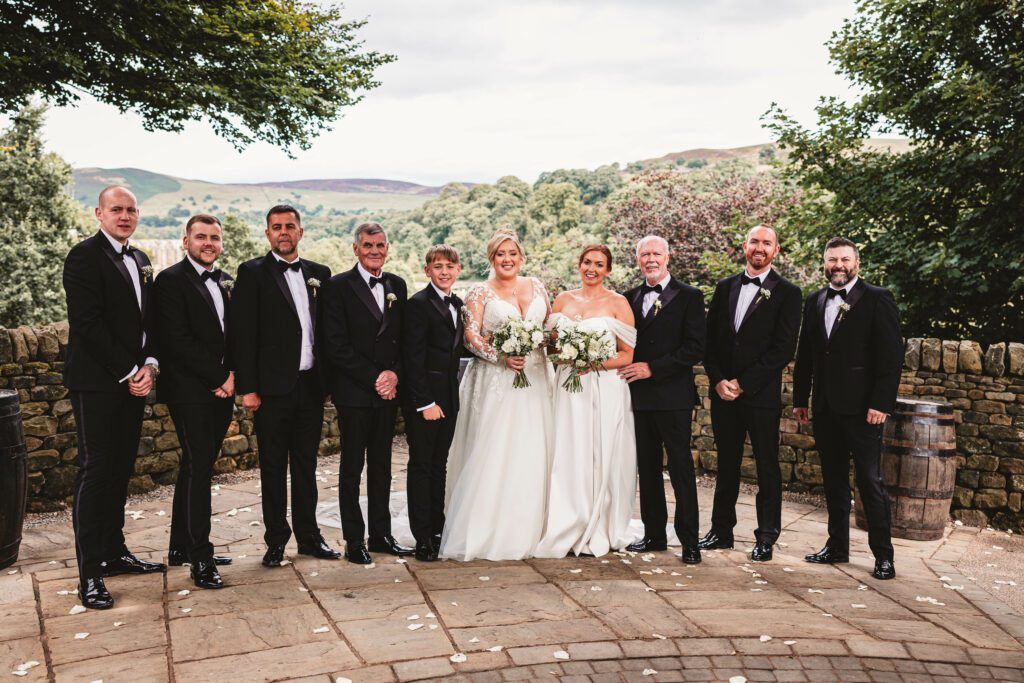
x: 593, y: 474
x: 499, y: 460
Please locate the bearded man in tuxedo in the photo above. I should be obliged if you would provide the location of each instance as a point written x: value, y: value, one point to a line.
x: 670, y: 341
x: 109, y: 371
x: 275, y: 332
x: 753, y: 323
x: 198, y: 387
x: 851, y: 354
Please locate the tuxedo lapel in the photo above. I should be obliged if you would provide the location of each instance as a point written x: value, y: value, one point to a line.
x: 822, y: 298
x: 438, y: 304
x: 118, y: 262
x: 270, y: 263
x: 856, y: 292
x: 143, y: 289
x: 363, y: 293
x: 734, y: 298
x: 307, y: 275
x: 386, y: 284
x: 196, y: 281
x: 664, y: 299
x: 759, y: 300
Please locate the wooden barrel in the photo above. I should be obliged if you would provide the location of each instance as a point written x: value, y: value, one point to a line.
x: 13, y: 477
x: 919, y: 468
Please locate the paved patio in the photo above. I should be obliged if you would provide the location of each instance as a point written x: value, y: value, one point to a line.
x: 619, y: 618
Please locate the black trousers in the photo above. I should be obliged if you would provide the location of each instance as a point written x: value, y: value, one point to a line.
x: 108, y: 425
x: 201, y: 428
x: 839, y: 437
x: 288, y: 433
x: 429, y: 442
x: 732, y: 422
x: 366, y: 435
x: 668, y: 431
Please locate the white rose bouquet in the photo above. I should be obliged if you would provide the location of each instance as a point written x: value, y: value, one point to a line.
x: 518, y: 337
x: 581, y: 350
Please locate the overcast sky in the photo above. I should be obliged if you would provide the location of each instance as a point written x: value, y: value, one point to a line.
x: 485, y: 89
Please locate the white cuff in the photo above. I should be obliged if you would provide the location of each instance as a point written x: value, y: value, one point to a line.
x: 135, y: 369
x: 420, y: 410
x: 152, y: 361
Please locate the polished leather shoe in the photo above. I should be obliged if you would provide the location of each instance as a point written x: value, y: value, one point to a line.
x: 129, y: 564
x: 205, y: 574
x: 646, y: 545
x: 317, y: 547
x: 388, y: 544
x: 274, y: 556
x: 884, y: 570
x: 356, y: 553
x: 827, y: 556
x: 715, y: 541
x: 691, y: 555
x: 94, y: 594
x: 176, y: 558
x: 762, y: 552
x: 425, y: 551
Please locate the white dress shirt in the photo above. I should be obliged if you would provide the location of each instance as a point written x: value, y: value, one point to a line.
x: 832, y: 306
x: 455, y: 321
x: 297, y: 287
x: 651, y: 297
x: 212, y: 287
x: 136, y: 278
x: 748, y: 293
x: 378, y: 290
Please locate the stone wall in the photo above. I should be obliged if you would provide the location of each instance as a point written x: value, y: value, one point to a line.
x: 986, y: 389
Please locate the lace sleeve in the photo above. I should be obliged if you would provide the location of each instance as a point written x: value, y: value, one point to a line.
x: 476, y: 340
x: 539, y: 290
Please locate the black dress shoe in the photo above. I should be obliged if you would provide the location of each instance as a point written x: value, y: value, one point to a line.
x: 762, y: 552
x: 205, y: 574
x: 274, y: 556
x: 176, y: 558
x: 884, y: 570
x: 94, y: 594
x: 715, y: 541
x: 129, y: 564
x: 425, y: 551
x: 356, y: 554
x: 388, y: 544
x: 317, y: 547
x: 646, y: 545
x: 827, y: 556
x: 436, y: 538
x: 691, y: 555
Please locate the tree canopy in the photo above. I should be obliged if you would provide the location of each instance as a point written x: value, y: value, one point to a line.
x: 940, y: 223
x: 276, y: 71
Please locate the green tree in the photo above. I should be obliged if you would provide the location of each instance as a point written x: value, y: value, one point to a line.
x: 276, y: 71
x: 594, y: 186
x: 941, y: 221
x: 40, y: 220
x: 240, y: 244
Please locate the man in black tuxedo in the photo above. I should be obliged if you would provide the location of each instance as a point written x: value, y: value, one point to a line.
x: 197, y: 386
x: 275, y: 331
x: 753, y: 322
x: 851, y: 352
x: 363, y: 310
x: 431, y: 348
x: 670, y: 341
x: 109, y: 371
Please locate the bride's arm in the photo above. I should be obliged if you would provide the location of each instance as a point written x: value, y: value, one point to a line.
x: 476, y: 342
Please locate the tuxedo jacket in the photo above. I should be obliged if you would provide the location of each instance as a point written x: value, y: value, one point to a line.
x: 762, y: 347
x: 859, y: 366
x: 432, y: 347
x: 361, y: 341
x: 194, y: 357
x: 264, y: 327
x: 671, y: 342
x: 105, y: 322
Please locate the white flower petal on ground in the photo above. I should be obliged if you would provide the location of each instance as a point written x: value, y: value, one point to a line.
x: 232, y: 512
x: 789, y: 642
x: 485, y: 578
x: 575, y: 571
x: 303, y: 589
x: 560, y: 654
x: 659, y: 636
x: 596, y: 588
x: 342, y: 679
x: 649, y: 672
x: 458, y: 658
x: 370, y: 566
x: 401, y: 561
x: 857, y: 605
x: 77, y: 609
x: 862, y: 587
x: 429, y: 615
x: 788, y: 569
x: 815, y: 590
x: 254, y: 523
x: 412, y: 617
x: 433, y: 627
x: 474, y: 640
x: 765, y: 638
x: 455, y: 604
x: 413, y: 627
x: 314, y: 573
x: 738, y: 679
x: 184, y: 591
x: 321, y: 629
x: 118, y: 623
x: 496, y: 648
x: 285, y: 562
x: 186, y: 610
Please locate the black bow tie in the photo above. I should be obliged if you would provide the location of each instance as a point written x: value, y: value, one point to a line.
x: 209, y: 275
x: 374, y: 281
x: 285, y: 266
x: 744, y: 280
x: 452, y: 300
x: 841, y: 293
x: 125, y: 250
x: 647, y: 289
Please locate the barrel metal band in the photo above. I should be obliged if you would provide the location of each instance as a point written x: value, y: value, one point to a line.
x: 913, y: 492
x: 917, y: 450
x: 927, y: 419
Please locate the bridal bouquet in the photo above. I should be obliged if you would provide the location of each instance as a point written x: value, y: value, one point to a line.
x: 518, y: 337
x: 581, y: 350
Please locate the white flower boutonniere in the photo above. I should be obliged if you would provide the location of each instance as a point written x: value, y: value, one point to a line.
x: 844, y: 308
x: 766, y: 293
x: 315, y: 284
x: 227, y: 286
x: 657, y: 306
x: 391, y: 299
x: 147, y: 273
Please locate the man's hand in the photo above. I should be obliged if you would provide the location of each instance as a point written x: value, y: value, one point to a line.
x: 876, y: 417
x: 386, y: 385
x: 801, y: 415
x: 251, y: 401
x: 142, y: 382
x: 516, y: 363
x: 635, y: 371
x: 226, y: 390
x: 434, y: 412
x: 728, y: 390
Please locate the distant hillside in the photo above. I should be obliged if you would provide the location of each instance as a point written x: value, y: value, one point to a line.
x: 358, y: 185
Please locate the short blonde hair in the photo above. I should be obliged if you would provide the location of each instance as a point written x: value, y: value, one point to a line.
x: 438, y: 251
x: 504, y: 235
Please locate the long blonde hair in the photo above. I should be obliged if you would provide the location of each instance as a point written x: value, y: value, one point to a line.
x: 504, y: 235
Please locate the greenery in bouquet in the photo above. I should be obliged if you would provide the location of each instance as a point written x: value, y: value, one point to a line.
x: 518, y: 337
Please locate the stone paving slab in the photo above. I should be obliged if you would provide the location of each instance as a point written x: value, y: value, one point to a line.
x: 576, y: 619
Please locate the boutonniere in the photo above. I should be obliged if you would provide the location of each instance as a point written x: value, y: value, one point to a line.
x: 844, y: 308
x: 147, y: 273
x: 766, y: 293
x: 227, y: 286
x: 657, y: 306
x: 314, y: 283
x: 391, y: 299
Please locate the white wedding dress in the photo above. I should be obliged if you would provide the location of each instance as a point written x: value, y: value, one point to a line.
x: 500, y: 457
x: 593, y: 472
